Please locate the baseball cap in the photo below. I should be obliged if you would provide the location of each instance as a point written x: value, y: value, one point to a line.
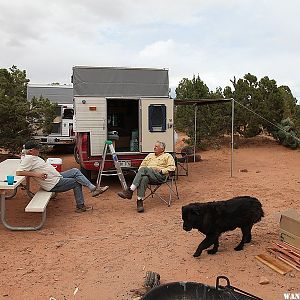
x: 31, y: 145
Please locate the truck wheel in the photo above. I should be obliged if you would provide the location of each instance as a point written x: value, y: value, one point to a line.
x: 86, y: 173
x: 76, y: 155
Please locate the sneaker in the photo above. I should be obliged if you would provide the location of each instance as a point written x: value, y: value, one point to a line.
x: 99, y: 191
x: 139, y: 206
x: 83, y: 208
x: 126, y: 194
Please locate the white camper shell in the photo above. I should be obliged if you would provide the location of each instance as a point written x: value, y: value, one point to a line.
x: 130, y: 106
x: 62, y: 129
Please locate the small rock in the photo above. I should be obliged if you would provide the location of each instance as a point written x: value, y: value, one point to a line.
x: 60, y: 244
x: 292, y: 275
x: 263, y: 280
x: 244, y: 170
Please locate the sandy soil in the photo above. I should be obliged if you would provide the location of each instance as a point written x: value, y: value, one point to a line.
x: 105, y: 253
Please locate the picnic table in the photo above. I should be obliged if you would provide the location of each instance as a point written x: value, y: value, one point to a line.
x: 38, y: 202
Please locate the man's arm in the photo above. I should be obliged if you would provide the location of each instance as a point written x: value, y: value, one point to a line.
x: 170, y: 165
x: 26, y: 167
x: 31, y: 174
x: 145, y: 161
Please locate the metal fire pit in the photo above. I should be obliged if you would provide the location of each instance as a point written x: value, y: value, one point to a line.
x: 198, y: 291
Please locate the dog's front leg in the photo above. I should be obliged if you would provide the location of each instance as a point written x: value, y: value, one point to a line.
x: 207, y: 242
x: 246, y: 238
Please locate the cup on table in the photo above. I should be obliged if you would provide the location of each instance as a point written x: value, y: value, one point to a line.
x: 10, y: 179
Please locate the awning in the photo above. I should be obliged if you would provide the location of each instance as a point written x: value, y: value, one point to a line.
x: 198, y: 102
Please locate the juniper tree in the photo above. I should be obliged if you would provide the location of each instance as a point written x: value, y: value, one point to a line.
x: 19, y: 118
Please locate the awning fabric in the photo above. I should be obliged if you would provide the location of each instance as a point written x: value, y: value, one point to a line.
x: 198, y: 102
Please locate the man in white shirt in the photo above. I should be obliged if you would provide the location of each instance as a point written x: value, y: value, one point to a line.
x: 50, y: 180
x: 154, y: 168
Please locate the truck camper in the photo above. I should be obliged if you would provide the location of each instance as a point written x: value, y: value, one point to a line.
x: 62, y: 126
x: 130, y: 106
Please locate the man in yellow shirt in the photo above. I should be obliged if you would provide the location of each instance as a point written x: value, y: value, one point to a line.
x: 154, y: 168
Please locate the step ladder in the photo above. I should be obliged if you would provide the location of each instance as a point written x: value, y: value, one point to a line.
x: 109, y: 144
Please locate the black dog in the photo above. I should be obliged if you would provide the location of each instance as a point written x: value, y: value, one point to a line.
x: 214, y: 218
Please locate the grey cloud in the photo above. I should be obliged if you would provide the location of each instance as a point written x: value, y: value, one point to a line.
x: 217, y: 39
x: 15, y: 43
x: 21, y: 22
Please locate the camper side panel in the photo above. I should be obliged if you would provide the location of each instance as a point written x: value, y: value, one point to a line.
x: 90, y: 116
x: 157, y: 123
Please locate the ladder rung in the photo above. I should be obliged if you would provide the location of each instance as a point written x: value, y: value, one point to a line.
x: 108, y: 144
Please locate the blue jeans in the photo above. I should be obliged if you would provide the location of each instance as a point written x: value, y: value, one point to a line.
x: 73, y: 179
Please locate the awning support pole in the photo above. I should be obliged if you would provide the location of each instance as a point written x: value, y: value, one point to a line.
x: 232, y: 122
x: 195, y: 132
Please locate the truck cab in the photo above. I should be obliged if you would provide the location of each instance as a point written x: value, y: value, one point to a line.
x: 63, y: 124
x: 62, y: 129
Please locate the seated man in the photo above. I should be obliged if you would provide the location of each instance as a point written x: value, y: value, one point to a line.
x: 154, y: 168
x: 50, y: 180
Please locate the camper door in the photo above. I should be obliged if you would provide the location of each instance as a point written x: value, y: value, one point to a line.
x: 157, y: 123
x: 90, y: 114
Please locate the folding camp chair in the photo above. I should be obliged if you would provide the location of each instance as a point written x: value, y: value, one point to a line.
x: 170, y: 183
x: 182, y: 166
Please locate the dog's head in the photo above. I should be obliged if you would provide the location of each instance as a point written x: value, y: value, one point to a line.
x: 196, y: 215
x: 189, y: 217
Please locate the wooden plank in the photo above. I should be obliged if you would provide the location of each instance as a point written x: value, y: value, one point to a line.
x: 273, y: 263
x: 290, y: 254
x: 290, y: 259
x: 289, y: 247
x: 284, y: 258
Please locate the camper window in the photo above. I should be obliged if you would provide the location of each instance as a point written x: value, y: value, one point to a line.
x: 157, y: 117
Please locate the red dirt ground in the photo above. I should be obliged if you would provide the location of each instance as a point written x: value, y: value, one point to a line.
x: 105, y: 253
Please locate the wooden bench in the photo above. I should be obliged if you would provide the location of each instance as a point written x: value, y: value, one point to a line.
x: 39, y: 204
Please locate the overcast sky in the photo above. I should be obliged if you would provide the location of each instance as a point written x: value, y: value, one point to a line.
x: 217, y: 39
